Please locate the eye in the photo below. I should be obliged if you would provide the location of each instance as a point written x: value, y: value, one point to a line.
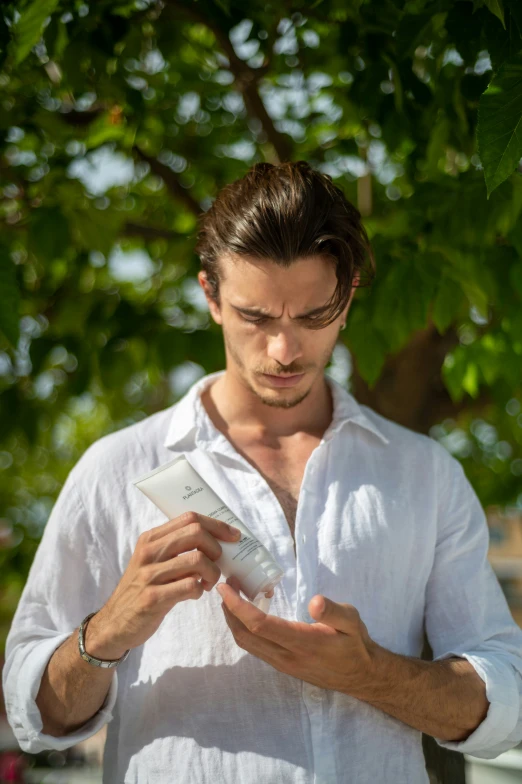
x: 306, y: 320
x: 253, y: 321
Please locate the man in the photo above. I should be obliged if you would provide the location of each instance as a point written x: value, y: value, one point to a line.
x: 377, y: 528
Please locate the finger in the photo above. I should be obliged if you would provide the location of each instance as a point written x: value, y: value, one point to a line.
x: 216, y: 527
x: 179, y: 591
x: 234, y: 582
x: 284, y: 633
x: 184, y: 540
x: 185, y: 565
x: 253, y: 643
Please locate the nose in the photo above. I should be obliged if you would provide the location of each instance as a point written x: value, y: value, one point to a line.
x: 284, y: 347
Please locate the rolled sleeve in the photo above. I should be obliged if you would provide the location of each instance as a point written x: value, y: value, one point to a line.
x: 24, y: 716
x: 501, y: 730
x: 467, y: 615
x: 69, y: 578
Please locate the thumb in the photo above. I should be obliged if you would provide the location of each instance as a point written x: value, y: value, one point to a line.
x: 338, y: 615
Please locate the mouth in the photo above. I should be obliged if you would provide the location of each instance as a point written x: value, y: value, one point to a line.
x: 284, y: 381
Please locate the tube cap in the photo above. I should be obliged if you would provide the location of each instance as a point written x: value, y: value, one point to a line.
x: 261, y: 579
x: 263, y: 602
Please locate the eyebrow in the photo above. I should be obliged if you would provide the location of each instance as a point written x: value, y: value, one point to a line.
x: 264, y: 313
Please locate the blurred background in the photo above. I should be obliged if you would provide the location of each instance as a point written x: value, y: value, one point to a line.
x: 119, y: 123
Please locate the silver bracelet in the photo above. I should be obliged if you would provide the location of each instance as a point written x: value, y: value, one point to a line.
x: 92, y: 659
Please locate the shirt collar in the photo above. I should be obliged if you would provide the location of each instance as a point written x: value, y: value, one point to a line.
x: 191, y: 426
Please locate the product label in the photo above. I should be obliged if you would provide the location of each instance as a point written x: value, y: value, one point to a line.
x: 247, y: 544
x: 193, y: 491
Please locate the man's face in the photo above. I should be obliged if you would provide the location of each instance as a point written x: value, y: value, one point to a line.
x: 283, y: 344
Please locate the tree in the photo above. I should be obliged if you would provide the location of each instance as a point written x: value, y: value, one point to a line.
x: 413, y: 108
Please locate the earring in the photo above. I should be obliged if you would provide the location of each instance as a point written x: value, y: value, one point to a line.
x: 343, y: 327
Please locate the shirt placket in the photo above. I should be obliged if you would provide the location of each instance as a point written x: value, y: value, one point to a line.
x: 299, y: 581
x: 307, y: 533
x: 300, y: 568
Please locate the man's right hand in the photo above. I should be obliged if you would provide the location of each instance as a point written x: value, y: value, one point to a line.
x: 163, y: 570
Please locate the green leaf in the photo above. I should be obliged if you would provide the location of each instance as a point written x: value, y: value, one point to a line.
x: 515, y: 8
x: 5, y: 38
x: 9, y: 412
x: 436, y: 149
x: 496, y: 7
x: 224, y: 5
x: 94, y: 229
x: 499, y: 131
x: 48, y: 233
x: 367, y: 345
x: 470, y: 381
x: 9, y: 298
x: 170, y: 349
x: 453, y: 371
x: 81, y: 377
x: 502, y: 43
x: 412, y: 31
x: 476, y: 280
x: 103, y: 130
x: 70, y: 316
x: 56, y: 38
x: 39, y: 350
x: 515, y: 276
x: 412, y: 282
x: 446, y: 304
x: 115, y: 365
x: 490, y: 354
x: 516, y: 332
x: 420, y: 285
x: 28, y: 30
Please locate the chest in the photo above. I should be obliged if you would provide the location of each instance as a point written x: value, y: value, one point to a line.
x: 283, y: 471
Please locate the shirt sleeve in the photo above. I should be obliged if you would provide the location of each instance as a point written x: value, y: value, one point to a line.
x: 69, y: 578
x: 467, y: 615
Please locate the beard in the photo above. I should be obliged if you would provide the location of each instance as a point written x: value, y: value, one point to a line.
x: 291, y: 398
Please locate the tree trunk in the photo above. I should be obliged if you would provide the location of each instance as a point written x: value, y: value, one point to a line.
x: 410, y: 389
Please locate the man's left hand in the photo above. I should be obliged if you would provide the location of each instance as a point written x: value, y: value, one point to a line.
x: 336, y: 652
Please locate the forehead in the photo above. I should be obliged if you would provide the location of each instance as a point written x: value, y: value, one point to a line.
x: 311, y: 277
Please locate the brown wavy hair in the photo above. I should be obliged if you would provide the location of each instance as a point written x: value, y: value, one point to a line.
x: 283, y: 212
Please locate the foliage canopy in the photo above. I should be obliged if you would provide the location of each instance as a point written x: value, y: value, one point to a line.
x: 120, y: 122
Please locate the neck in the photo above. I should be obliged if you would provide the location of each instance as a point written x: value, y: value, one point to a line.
x: 233, y: 405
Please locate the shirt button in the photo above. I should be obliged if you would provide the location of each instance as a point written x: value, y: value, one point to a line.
x: 303, y: 537
x: 316, y: 695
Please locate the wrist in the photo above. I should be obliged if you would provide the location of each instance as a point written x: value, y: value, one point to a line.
x: 393, y: 674
x: 99, y: 642
x: 378, y: 677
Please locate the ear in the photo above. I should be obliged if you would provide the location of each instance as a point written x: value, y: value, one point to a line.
x: 355, y: 284
x: 215, y: 312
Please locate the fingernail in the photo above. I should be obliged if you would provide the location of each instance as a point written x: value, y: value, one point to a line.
x: 233, y: 530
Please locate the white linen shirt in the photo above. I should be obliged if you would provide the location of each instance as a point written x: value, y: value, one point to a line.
x: 386, y: 521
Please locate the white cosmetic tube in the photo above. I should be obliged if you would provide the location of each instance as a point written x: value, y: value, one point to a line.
x: 177, y: 487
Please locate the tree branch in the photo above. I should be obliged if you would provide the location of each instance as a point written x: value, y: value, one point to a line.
x: 171, y: 181
x: 246, y: 79
x: 82, y: 119
x: 147, y: 232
